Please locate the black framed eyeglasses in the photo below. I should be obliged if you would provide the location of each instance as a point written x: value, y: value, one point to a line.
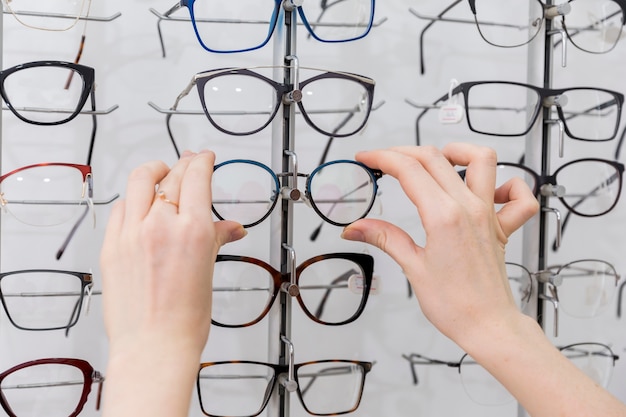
x: 39, y: 93
x: 597, y: 360
x: 340, y: 191
x: 216, y: 25
x: 44, y: 299
x: 243, y: 388
x: 48, y: 194
x: 591, y: 26
x: 505, y: 108
x: 331, y: 289
x: 583, y: 288
x: 59, y: 385
x: 239, y: 101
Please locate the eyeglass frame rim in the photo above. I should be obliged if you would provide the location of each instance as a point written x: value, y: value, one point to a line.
x: 365, y: 367
x: 87, y: 76
x: 272, y: 27
x: 281, y: 89
x: 89, y: 373
x: 551, y: 179
x: 542, y: 93
x: 364, y: 261
x: 374, y: 175
x: 85, y: 278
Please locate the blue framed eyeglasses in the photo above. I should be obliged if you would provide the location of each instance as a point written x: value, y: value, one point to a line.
x: 216, y: 23
x: 340, y: 192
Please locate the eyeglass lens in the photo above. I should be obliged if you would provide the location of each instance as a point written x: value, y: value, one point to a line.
x: 34, y: 195
x: 331, y: 290
x: 588, y: 287
x: 36, y: 390
x: 508, y: 24
x: 594, y: 26
x: 243, y: 389
x: 594, y: 359
x: 521, y: 284
x: 214, y: 22
x: 30, y: 13
x: 592, y: 187
x: 341, y: 192
x: 242, y: 103
x: 41, y: 300
x: 37, y: 93
x: 589, y: 114
x: 480, y: 385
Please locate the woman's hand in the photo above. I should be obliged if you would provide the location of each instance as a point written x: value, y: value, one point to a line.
x: 458, y: 275
x: 157, y: 263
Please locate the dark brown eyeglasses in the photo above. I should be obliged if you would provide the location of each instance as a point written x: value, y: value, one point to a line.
x: 332, y: 289
x: 42, y: 386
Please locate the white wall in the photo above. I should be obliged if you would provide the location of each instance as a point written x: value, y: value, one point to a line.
x: 130, y: 72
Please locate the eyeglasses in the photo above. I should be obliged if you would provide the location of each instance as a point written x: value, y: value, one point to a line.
x: 502, y: 108
x: 218, y: 25
x: 50, y: 15
x: 340, y: 192
x: 594, y: 359
x: 238, y: 101
x: 582, y: 288
x: 48, y: 194
x: 38, y: 93
x: 331, y: 289
x: 243, y: 388
x: 591, y: 26
x: 44, y: 299
x: 44, y: 386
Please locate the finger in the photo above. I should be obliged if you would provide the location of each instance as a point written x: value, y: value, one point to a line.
x: 195, y: 186
x: 481, y: 163
x: 227, y: 231
x: 417, y: 183
x: 387, y: 237
x: 170, y: 185
x: 438, y: 166
x: 140, y: 189
x: 519, y: 205
x: 113, y: 231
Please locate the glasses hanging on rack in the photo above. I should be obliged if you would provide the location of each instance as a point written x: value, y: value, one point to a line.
x: 51, y: 386
x: 331, y: 289
x: 590, y: 25
x: 35, y: 92
x: 597, y: 360
x: 243, y: 388
x: 582, y: 288
x: 340, y: 192
x: 240, y: 102
x: 217, y: 25
x: 508, y: 109
x: 44, y: 299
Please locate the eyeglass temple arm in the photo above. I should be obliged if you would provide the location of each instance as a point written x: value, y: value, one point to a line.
x: 432, y: 22
x: 415, y: 359
x: 79, y: 221
x: 620, y: 293
x: 425, y: 109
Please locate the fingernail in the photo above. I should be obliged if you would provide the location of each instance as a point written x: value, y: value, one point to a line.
x: 351, y: 234
x: 238, y: 233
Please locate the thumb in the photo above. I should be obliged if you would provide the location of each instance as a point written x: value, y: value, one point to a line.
x: 387, y: 237
x: 227, y: 231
